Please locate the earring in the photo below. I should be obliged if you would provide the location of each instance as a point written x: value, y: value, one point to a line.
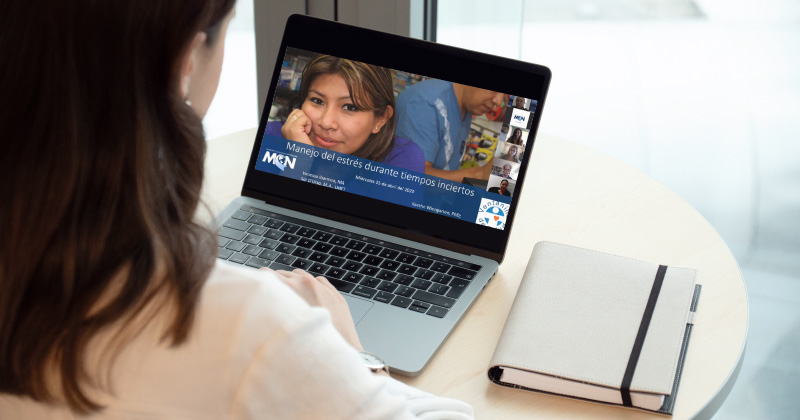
x: 188, y: 102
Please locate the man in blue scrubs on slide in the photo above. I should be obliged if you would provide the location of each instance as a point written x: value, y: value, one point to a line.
x: 437, y: 115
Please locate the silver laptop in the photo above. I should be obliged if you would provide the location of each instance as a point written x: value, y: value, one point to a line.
x: 410, y: 252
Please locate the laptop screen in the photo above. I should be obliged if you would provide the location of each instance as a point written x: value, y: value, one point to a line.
x: 399, y: 144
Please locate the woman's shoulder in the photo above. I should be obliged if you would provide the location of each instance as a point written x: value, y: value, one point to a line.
x: 240, y: 309
x: 239, y: 314
x: 406, y: 154
x: 402, y: 142
x: 230, y: 288
x: 274, y: 128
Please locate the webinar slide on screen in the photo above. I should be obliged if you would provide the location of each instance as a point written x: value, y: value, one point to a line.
x: 385, y: 182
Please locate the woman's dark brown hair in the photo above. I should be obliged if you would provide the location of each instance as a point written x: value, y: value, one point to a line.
x: 102, y: 164
x: 516, y: 137
x: 370, y: 90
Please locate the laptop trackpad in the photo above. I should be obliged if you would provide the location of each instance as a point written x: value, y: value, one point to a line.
x: 358, y: 307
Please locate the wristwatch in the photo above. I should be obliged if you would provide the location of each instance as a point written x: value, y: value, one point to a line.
x: 373, y: 362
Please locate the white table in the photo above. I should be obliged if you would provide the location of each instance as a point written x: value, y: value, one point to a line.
x: 580, y: 197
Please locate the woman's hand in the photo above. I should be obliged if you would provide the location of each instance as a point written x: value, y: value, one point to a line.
x: 318, y: 291
x: 297, y: 127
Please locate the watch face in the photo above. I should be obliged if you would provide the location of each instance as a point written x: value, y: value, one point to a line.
x: 372, y: 361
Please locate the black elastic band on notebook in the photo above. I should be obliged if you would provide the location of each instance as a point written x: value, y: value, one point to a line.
x: 625, y: 388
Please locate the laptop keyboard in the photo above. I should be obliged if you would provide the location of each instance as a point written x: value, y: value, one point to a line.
x: 355, y: 264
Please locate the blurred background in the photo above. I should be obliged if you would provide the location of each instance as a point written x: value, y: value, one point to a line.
x: 703, y: 96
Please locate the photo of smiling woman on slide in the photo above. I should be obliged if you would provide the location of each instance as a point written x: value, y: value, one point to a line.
x: 348, y: 107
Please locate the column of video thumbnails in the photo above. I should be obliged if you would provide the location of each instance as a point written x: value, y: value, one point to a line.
x: 511, y: 145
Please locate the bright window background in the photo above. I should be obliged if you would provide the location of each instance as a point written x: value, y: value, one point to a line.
x: 703, y: 96
x: 235, y: 106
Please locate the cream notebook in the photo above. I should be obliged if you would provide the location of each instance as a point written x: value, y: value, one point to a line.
x: 599, y: 327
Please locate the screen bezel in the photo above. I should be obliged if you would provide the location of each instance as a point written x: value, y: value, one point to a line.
x: 413, y: 56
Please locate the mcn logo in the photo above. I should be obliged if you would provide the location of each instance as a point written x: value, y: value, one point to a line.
x: 279, y: 160
x: 519, y: 118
